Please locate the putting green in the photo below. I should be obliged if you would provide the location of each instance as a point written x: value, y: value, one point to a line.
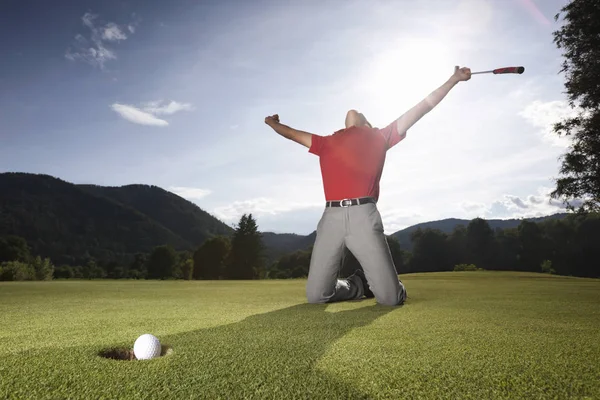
x: 468, y: 335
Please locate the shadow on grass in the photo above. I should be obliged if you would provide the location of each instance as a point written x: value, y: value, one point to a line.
x: 275, y: 354
x: 264, y: 356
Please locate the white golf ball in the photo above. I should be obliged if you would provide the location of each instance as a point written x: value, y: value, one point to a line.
x: 146, y: 347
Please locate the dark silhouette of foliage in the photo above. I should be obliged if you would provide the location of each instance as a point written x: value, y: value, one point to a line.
x: 431, y: 251
x: 579, y: 39
x: 480, y: 243
x: 247, y: 251
x: 569, y: 244
x: 162, y: 262
x: 180, y: 216
x: 293, y: 265
x: 72, y: 224
x: 13, y: 248
x: 210, y: 259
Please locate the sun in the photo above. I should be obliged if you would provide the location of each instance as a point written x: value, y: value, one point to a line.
x: 401, y: 76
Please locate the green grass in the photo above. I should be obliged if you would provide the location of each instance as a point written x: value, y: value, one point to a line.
x: 464, y: 335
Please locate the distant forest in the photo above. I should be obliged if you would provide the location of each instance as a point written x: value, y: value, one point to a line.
x: 568, y: 246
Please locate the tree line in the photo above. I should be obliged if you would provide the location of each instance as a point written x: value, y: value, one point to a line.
x: 569, y: 246
x: 240, y: 256
x: 566, y: 246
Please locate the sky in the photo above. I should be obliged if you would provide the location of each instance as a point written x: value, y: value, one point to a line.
x: 174, y: 94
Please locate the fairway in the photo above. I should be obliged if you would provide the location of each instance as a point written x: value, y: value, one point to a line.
x: 469, y: 335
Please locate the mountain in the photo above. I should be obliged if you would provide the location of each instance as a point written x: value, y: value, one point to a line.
x: 71, y: 223
x: 448, y: 225
x: 183, y: 218
x: 278, y: 244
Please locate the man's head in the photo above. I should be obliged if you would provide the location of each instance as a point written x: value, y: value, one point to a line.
x: 354, y: 118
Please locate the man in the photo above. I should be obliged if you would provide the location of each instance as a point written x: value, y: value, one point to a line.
x: 351, y: 161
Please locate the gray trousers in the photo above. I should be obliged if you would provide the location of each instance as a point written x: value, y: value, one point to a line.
x: 360, y: 229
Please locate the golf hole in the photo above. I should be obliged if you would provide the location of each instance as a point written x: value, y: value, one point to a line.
x: 126, y: 354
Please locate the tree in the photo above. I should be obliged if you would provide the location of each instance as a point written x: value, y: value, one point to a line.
x: 293, y: 265
x: 137, y: 268
x: 457, y: 242
x: 531, y: 252
x: 13, y: 248
x: 247, y: 250
x: 561, y: 244
x: 507, y: 250
x: 430, y: 251
x: 210, y: 258
x: 162, y: 262
x: 186, y: 268
x: 44, y: 269
x: 64, y: 272
x: 579, y: 38
x: 16, y: 271
x: 588, y: 238
x: 398, y: 255
x: 94, y: 271
x: 480, y: 243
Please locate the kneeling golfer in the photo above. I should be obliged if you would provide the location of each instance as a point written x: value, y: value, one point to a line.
x: 352, y: 161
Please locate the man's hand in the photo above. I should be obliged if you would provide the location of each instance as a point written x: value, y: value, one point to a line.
x: 301, y: 137
x: 461, y: 74
x: 272, y: 120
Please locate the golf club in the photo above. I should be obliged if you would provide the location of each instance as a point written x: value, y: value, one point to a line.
x: 506, y: 70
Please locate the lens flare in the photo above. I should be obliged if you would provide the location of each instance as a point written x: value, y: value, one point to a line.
x: 530, y: 6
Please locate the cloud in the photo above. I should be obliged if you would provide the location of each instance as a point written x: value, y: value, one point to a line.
x: 470, y: 206
x: 146, y: 114
x: 190, y: 193
x: 137, y: 116
x: 112, y: 32
x: 260, y: 207
x: 535, y: 199
x: 510, y: 206
x: 516, y: 201
x: 93, y: 50
x: 158, y: 108
x: 395, y: 220
x: 544, y: 115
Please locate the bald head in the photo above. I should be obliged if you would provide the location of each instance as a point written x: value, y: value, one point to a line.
x: 354, y: 118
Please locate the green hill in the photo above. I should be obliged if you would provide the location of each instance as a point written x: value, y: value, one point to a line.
x: 180, y: 216
x: 71, y: 223
x: 448, y: 225
x: 278, y: 244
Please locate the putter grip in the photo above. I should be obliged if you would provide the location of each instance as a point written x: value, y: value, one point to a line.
x: 509, y: 70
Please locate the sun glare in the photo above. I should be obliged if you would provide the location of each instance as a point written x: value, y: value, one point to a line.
x: 401, y: 76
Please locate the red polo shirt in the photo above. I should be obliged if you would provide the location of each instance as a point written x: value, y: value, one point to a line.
x: 352, y: 160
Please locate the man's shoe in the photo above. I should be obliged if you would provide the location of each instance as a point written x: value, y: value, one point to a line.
x: 404, y: 295
x: 367, y: 290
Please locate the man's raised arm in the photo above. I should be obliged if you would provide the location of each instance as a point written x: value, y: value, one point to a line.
x: 304, y: 138
x: 409, y: 118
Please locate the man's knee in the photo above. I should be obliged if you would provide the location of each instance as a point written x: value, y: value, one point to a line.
x: 389, y: 302
x: 315, y: 298
x: 311, y: 299
x: 390, y: 297
x: 314, y: 295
